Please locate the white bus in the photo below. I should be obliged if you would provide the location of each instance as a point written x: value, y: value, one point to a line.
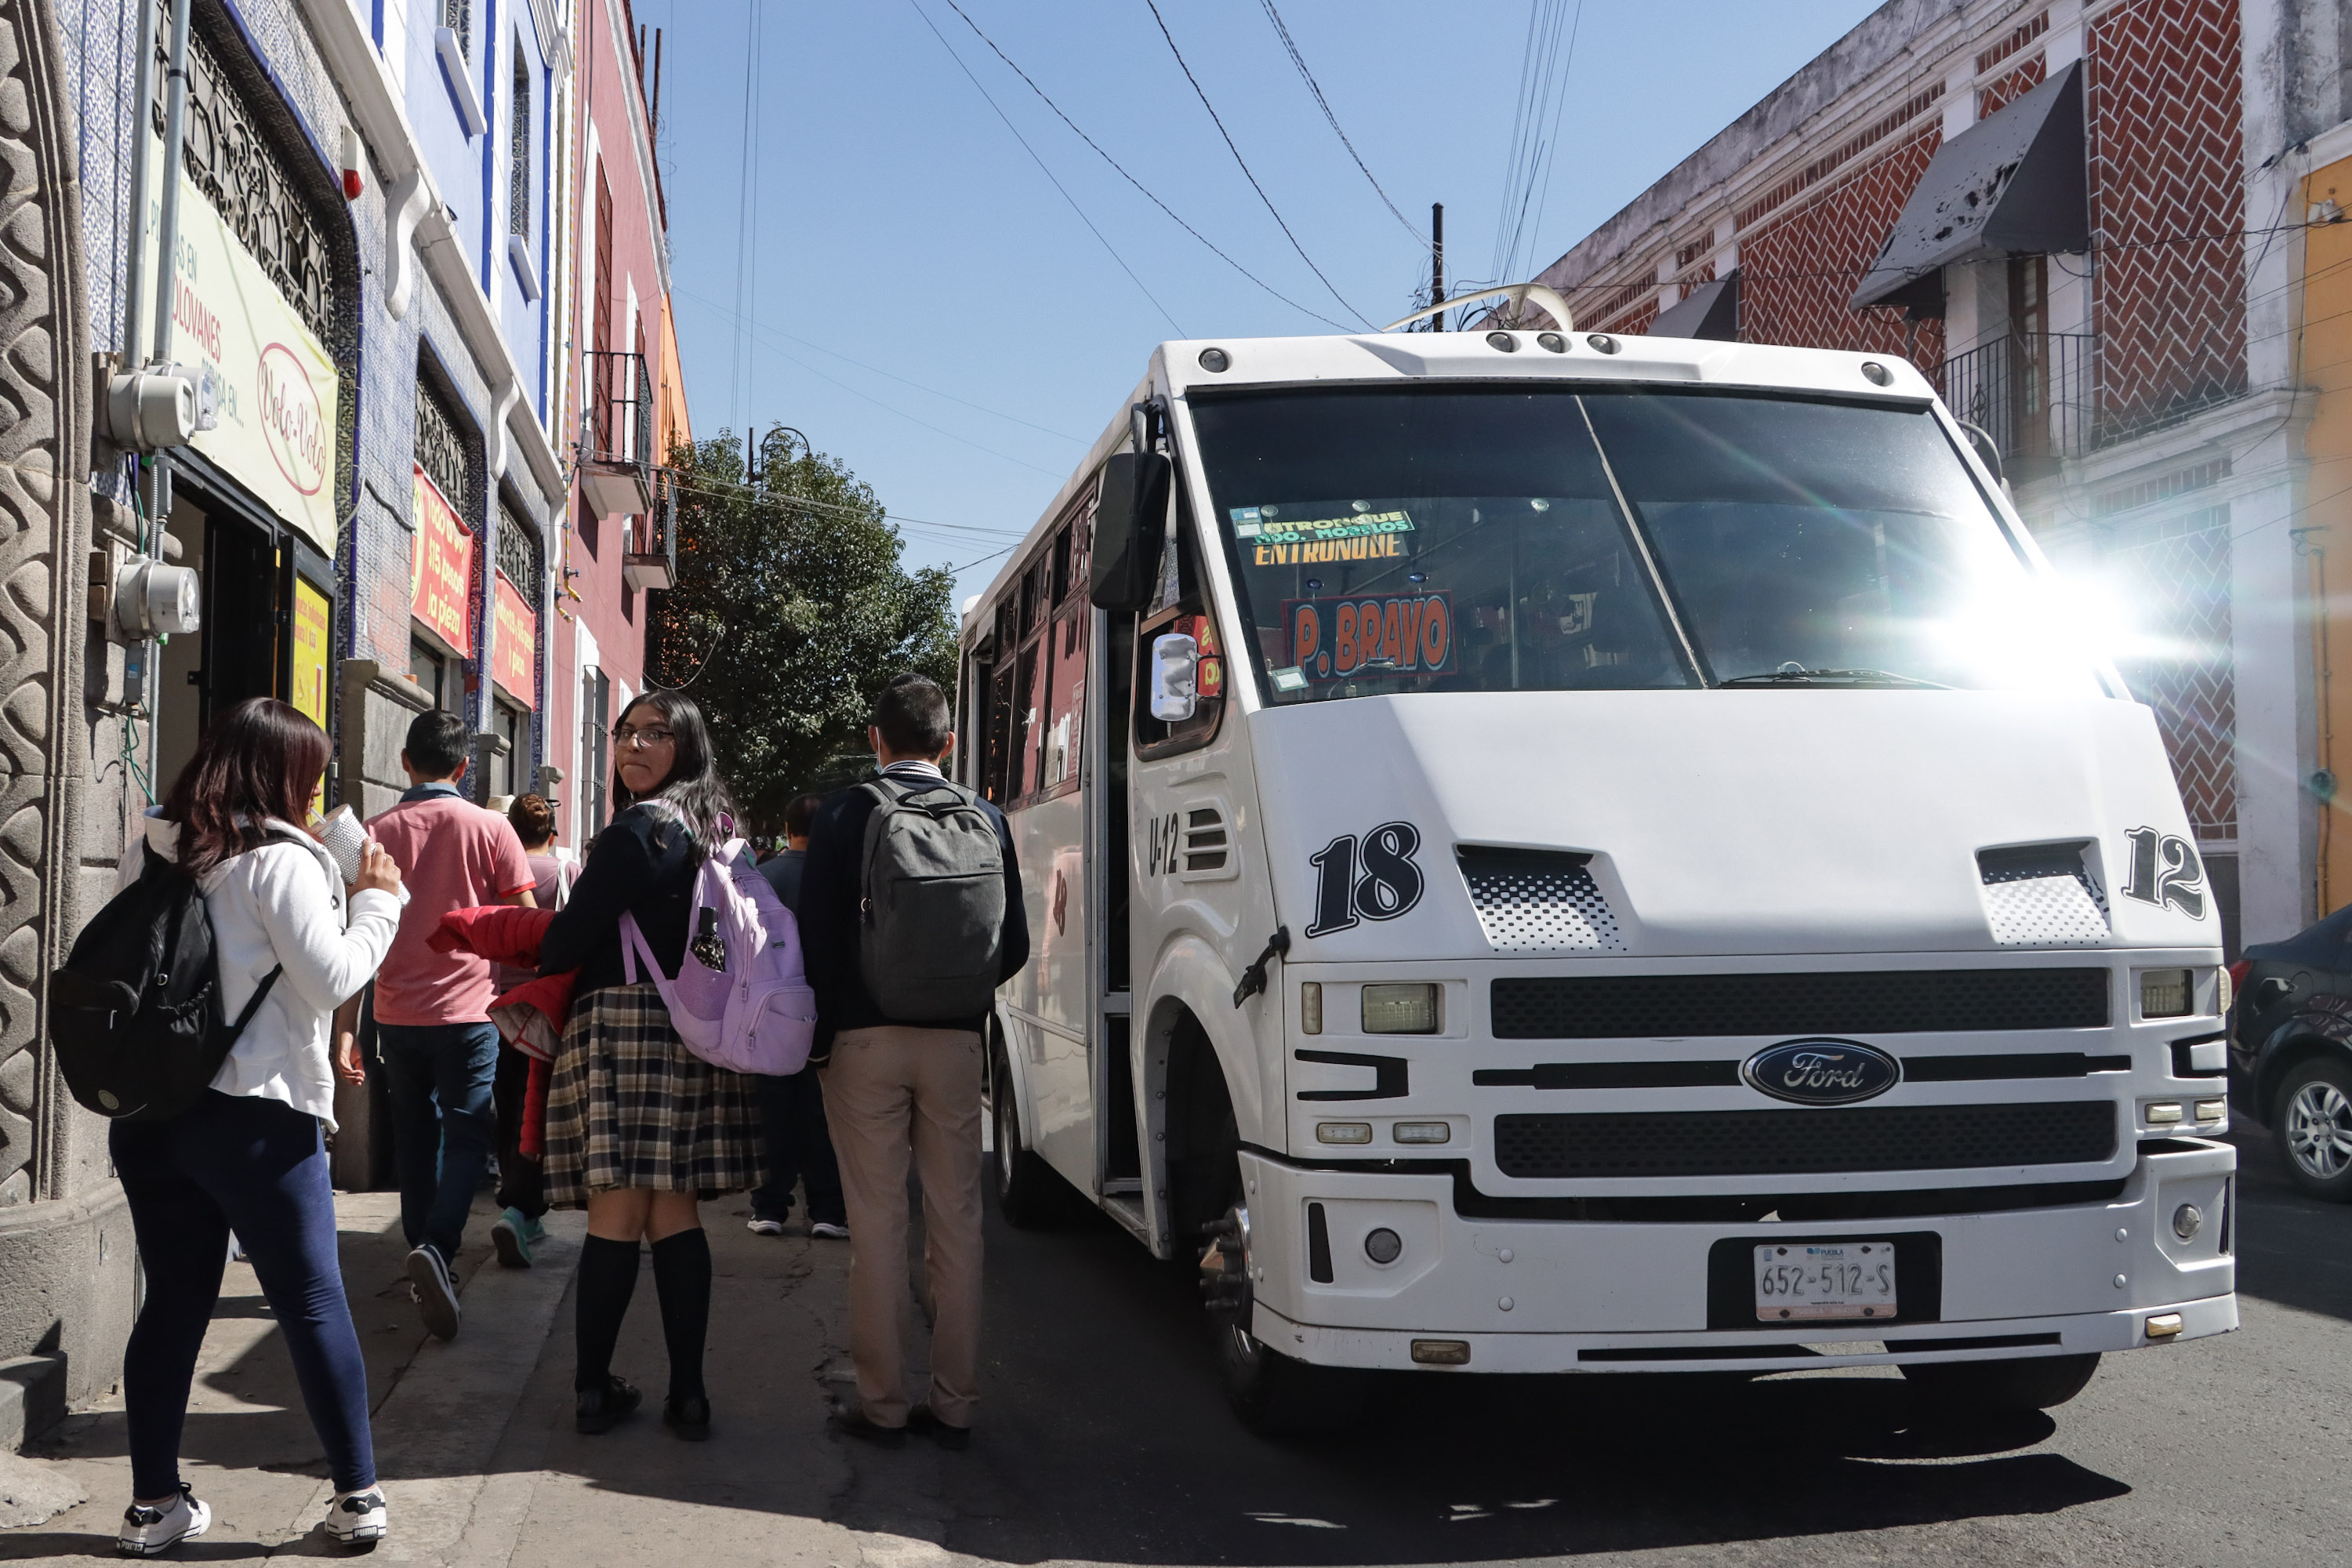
x: 1547, y: 852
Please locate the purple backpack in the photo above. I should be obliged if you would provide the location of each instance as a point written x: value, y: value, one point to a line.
x: 741, y: 1000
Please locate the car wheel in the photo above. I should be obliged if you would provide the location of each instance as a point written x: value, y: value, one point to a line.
x: 2002, y: 1387
x: 1029, y: 1193
x: 2314, y: 1127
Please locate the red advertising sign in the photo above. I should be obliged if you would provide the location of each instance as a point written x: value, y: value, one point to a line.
x: 441, y: 568
x: 514, y: 643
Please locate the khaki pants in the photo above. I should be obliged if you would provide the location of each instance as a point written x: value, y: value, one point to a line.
x: 887, y: 1089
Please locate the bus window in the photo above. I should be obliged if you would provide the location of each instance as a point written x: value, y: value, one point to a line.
x: 1021, y: 771
x: 1063, y: 724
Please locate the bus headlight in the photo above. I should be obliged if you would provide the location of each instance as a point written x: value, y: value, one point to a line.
x: 1409, y: 1009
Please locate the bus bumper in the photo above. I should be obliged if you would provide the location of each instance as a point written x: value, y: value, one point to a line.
x: 1555, y: 1296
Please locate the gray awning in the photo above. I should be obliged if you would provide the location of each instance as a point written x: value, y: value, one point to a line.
x: 2012, y: 183
x: 1710, y: 310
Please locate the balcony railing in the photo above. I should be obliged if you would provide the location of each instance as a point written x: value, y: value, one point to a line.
x: 651, y: 559
x: 2035, y: 393
x: 616, y: 434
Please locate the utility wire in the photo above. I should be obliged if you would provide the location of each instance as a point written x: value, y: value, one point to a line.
x: 1551, y: 170
x: 1154, y: 7
x: 1058, y: 184
x: 1291, y: 48
x: 1138, y: 185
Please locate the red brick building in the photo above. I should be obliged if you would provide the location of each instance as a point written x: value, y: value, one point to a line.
x: 2068, y: 212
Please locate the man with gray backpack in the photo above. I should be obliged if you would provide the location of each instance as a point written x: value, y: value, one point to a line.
x: 910, y: 917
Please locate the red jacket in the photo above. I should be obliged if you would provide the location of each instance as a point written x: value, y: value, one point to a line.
x: 530, y: 1017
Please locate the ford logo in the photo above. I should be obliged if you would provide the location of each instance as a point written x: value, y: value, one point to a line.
x: 1821, y: 1072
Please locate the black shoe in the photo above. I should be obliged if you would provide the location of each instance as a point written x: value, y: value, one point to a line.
x: 688, y: 1419
x: 599, y: 1409
x: 955, y: 1439
x: 854, y: 1424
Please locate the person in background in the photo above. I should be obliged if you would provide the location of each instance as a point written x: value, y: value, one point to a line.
x: 890, y: 1087
x: 521, y: 1191
x: 248, y: 1157
x: 639, y: 1129
x: 792, y: 1108
x: 433, y: 1009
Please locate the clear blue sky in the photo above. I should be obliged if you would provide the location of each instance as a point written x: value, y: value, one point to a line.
x: 926, y: 307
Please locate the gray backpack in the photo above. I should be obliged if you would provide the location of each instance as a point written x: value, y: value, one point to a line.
x: 931, y: 929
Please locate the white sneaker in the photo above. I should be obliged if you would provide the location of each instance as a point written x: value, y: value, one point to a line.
x: 764, y: 1227
x: 830, y: 1231
x: 357, y: 1519
x: 148, y: 1531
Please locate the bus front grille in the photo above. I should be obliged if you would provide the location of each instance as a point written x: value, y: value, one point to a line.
x: 1863, y: 1002
x: 1588, y: 1145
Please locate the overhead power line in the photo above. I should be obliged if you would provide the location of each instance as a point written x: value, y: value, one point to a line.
x: 1291, y: 48
x: 1131, y: 180
x: 1058, y: 184
x: 1236, y: 152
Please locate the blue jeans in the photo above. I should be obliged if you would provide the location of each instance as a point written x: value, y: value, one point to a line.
x: 444, y: 1123
x: 255, y: 1167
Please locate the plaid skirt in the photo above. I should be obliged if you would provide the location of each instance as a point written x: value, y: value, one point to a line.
x: 629, y: 1106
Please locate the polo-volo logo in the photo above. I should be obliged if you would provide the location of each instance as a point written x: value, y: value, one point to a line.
x: 1821, y: 1072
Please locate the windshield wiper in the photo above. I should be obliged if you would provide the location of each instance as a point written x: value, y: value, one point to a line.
x: 1793, y: 674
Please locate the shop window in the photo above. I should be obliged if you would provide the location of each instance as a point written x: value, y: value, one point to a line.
x: 435, y: 674
x: 510, y: 767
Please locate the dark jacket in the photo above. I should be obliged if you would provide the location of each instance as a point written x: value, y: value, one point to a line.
x: 783, y: 874
x: 832, y: 889
x: 642, y: 865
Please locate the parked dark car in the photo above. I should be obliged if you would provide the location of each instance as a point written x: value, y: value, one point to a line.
x: 2291, y: 1050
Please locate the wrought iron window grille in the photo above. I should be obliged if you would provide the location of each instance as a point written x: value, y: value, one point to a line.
x: 519, y: 151
x: 232, y: 163
x: 458, y: 16
x: 517, y: 553
x: 618, y: 425
x: 444, y: 450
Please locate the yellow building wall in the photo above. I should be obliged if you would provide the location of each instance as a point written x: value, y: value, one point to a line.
x: 2325, y: 364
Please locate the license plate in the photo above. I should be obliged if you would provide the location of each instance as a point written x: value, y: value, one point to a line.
x: 1847, y: 1279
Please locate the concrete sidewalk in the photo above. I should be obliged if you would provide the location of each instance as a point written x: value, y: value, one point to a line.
x: 474, y: 1437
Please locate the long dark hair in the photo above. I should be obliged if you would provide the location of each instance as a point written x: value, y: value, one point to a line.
x: 693, y: 792
x: 262, y: 758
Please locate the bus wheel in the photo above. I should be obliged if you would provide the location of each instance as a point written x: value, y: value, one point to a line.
x: 1272, y: 1394
x: 1026, y: 1188
x: 2002, y: 1387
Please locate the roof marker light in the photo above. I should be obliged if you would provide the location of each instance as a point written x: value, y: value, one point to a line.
x: 1216, y: 361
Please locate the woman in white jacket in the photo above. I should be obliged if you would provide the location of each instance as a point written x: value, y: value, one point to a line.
x: 248, y: 1157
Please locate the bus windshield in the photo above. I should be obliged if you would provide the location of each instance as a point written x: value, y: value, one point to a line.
x: 1501, y: 539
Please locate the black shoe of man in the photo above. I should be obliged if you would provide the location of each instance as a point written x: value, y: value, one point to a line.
x: 955, y: 1439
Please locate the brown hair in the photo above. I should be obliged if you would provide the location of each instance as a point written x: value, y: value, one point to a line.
x: 262, y: 758
x: 534, y: 820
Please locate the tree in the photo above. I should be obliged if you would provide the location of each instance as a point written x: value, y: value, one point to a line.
x: 790, y: 613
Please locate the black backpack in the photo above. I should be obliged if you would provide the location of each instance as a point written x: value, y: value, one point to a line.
x: 136, y: 1011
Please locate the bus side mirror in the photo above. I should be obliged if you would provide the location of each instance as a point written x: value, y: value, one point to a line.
x: 1131, y: 531
x: 1175, y: 678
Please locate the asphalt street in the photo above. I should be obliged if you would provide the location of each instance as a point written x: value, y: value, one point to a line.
x: 1106, y: 1441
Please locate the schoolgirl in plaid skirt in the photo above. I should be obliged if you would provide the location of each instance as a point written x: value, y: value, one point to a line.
x: 639, y: 1129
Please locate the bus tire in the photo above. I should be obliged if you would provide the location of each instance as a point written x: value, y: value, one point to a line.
x: 2002, y: 1387
x: 1276, y: 1396
x: 1027, y: 1189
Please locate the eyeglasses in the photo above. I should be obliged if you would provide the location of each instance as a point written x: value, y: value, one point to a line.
x: 629, y: 735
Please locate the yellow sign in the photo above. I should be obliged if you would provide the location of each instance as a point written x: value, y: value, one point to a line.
x: 307, y: 690
x: 276, y: 388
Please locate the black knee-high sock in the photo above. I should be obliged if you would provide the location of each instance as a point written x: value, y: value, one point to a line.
x: 682, y: 1276
x: 608, y: 1278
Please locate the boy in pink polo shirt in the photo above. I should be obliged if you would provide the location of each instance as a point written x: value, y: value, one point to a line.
x: 433, y: 1009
